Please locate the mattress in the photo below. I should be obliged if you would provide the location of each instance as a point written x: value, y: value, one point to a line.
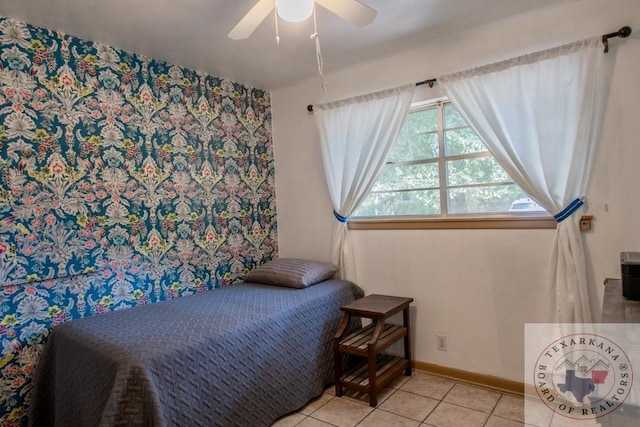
x: 242, y: 355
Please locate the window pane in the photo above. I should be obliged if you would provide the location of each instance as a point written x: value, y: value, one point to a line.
x: 406, y: 177
x: 452, y: 118
x: 483, y: 170
x: 424, y: 202
x: 420, y: 121
x: 462, y: 141
x: 411, y: 184
x: 490, y: 199
x: 415, y: 147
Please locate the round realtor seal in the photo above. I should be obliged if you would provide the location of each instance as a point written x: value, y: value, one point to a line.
x: 583, y: 376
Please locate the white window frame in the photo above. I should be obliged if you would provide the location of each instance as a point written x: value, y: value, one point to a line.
x: 446, y: 219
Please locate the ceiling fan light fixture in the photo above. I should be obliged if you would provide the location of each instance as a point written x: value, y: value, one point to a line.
x: 294, y: 10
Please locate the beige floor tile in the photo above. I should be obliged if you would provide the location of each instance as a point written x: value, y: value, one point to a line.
x: 380, y: 418
x: 448, y: 415
x: 502, y: 422
x: 312, y: 422
x: 562, y: 421
x: 400, y: 380
x: 480, y: 399
x: 331, y: 390
x: 342, y: 412
x: 363, y: 398
x: 289, y: 420
x: 409, y: 405
x: 384, y: 394
x: 511, y: 407
x: 315, y: 404
x: 428, y: 386
x: 536, y: 413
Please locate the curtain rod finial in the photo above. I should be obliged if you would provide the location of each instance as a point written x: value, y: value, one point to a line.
x: 310, y: 108
x: 624, y: 31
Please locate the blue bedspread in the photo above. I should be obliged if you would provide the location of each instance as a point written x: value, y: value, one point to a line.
x: 237, y: 356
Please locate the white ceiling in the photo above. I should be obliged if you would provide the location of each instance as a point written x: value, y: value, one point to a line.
x: 193, y: 33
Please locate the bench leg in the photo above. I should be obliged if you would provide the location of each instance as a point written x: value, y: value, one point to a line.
x: 373, y: 393
x: 407, y: 341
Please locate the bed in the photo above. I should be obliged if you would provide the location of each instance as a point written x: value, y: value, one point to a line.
x: 243, y: 355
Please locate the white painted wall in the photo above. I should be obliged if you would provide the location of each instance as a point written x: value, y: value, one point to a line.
x: 479, y: 287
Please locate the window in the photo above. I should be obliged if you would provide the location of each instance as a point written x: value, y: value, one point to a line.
x: 439, y: 168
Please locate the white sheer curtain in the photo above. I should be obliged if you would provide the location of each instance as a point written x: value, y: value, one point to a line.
x: 356, y: 136
x: 539, y: 116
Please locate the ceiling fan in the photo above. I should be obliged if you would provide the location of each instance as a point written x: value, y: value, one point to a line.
x: 299, y: 10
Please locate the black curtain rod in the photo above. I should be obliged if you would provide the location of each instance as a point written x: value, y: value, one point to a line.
x: 623, y: 32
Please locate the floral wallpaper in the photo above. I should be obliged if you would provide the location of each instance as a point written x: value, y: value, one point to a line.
x: 123, y: 181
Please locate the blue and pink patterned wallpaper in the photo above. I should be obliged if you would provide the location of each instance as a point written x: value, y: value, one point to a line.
x: 123, y: 181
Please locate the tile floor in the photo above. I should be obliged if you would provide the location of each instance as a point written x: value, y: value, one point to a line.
x: 419, y: 400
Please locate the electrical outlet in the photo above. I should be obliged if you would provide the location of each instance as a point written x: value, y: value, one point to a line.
x: 442, y: 342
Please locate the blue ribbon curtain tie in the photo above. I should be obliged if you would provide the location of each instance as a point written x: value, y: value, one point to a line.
x: 342, y: 219
x: 569, y: 210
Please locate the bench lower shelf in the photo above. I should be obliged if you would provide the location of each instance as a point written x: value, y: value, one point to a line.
x: 387, y: 368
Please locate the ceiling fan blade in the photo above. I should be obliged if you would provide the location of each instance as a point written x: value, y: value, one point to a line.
x: 350, y: 10
x: 251, y: 20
